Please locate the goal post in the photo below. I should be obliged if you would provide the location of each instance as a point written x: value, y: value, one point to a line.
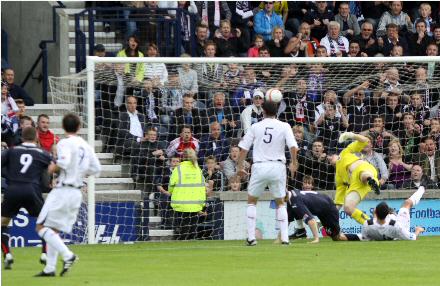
x: 319, y: 74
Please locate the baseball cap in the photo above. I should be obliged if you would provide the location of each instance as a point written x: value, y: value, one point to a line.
x: 257, y: 92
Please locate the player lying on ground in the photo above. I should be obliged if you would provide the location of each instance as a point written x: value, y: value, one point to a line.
x: 386, y: 225
x: 354, y: 177
x: 306, y: 204
x: 23, y: 167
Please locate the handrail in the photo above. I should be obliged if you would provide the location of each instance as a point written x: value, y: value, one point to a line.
x: 43, y: 54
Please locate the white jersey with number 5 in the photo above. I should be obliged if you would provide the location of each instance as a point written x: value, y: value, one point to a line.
x: 269, y: 138
x: 76, y: 160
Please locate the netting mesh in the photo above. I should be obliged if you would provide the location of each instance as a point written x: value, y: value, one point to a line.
x: 396, y: 104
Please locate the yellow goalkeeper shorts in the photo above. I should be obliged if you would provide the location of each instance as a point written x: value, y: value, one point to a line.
x: 356, y: 184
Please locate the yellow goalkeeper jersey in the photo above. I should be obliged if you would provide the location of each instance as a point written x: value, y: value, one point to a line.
x: 346, y: 158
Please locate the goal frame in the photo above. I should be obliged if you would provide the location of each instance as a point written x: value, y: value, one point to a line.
x: 91, y: 62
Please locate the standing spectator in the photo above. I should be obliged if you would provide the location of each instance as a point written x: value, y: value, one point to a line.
x: 47, y: 140
x: 192, y: 116
x: 266, y: 20
x: 409, y: 134
x: 188, y: 79
x: 136, y: 71
x: 380, y: 135
x: 425, y: 16
x: 431, y: 160
x: 302, y: 45
x: 391, y: 112
x: 224, y: 115
x: 213, y: 175
x: 328, y: 126
x: 211, y: 13
x: 21, y: 108
x: 329, y: 98
x: 242, y: 18
x: 253, y: 51
x: 397, y: 17
x: 425, y: 87
x: 25, y: 121
x: 155, y: 72
x: 201, y: 39
x: 391, y: 39
x: 335, y: 44
x: 348, y: 22
x: 354, y: 50
x: 434, y: 131
x: 234, y: 184
x: 316, y: 79
x: 9, y: 121
x: 214, y: 144
x: 161, y: 180
x: 254, y: 112
x: 229, y: 166
x: 372, y: 11
x: 229, y: 42
x: 418, y: 42
x: 377, y: 161
x: 184, y: 141
x: 367, y: 41
x: 433, y: 68
x: 242, y: 96
x: 16, y: 91
x: 417, y: 176
x: 296, y: 13
x: 398, y: 169
x: 188, y: 195
x: 318, y: 18
x: 278, y: 43
x: 418, y: 109
x: 185, y: 22
x: 358, y: 111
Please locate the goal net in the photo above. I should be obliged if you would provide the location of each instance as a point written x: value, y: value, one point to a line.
x: 141, y: 122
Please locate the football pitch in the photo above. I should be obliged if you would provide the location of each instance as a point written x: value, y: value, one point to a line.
x: 231, y: 263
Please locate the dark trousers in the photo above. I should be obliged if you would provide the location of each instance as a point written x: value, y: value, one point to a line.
x: 185, y: 225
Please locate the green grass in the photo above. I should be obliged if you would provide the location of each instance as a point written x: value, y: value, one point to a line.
x: 230, y: 263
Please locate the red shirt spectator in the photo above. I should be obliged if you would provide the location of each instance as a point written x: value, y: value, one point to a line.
x: 46, y: 137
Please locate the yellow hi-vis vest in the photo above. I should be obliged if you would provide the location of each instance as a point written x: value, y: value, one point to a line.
x: 187, y: 188
x: 139, y: 72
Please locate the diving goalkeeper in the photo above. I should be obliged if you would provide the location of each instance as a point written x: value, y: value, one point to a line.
x: 354, y: 178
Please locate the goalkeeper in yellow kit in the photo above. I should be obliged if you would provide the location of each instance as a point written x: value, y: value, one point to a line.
x: 354, y: 178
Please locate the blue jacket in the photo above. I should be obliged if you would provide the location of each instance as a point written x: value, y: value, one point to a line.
x: 264, y: 26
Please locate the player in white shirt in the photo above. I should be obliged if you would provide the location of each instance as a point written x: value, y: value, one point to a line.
x: 268, y: 138
x: 76, y: 160
x: 388, y: 226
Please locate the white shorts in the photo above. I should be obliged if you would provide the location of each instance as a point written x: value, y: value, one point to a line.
x: 61, y: 209
x: 268, y: 174
x: 403, y: 218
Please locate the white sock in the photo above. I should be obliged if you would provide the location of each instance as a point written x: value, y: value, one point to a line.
x: 282, y: 220
x: 415, y: 198
x: 52, y: 256
x: 251, y: 214
x: 299, y: 224
x: 52, y: 238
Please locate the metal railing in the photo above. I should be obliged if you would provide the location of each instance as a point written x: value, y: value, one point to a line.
x: 43, y: 56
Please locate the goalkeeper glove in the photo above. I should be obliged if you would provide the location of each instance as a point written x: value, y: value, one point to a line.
x: 345, y: 136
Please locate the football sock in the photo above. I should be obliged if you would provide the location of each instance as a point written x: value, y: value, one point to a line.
x: 360, y: 216
x: 5, y: 240
x: 251, y: 214
x: 282, y: 220
x: 53, y: 239
x: 299, y: 224
x: 43, y: 246
x: 51, y: 262
x: 415, y: 198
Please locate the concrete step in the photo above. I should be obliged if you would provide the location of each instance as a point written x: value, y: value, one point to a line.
x: 110, y: 35
x: 161, y: 234
x: 49, y: 109
x: 98, y: 146
x: 84, y: 23
x: 73, y: 11
x: 105, y: 158
x: 155, y: 219
x: 111, y: 171
x: 114, y: 183
x: 110, y: 47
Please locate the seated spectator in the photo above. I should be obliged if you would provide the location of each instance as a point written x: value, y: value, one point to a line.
x: 188, y: 82
x: 266, y: 20
x: 420, y: 111
x: 279, y: 7
x: 157, y: 73
x: 418, y: 42
x: 354, y: 50
x: 278, y: 43
x: 380, y: 135
x: 213, y: 175
x: 201, y: 39
x: 425, y: 16
x: 434, y: 131
x: 436, y: 36
x: 390, y: 39
x: 131, y: 128
x: 21, y: 108
x: 229, y: 42
x: 214, y: 144
x: 348, y: 22
x: 136, y: 71
x: 409, y: 134
x: 396, y: 17
x: 184, y: 141
x: 396, y: 51
x: 358, y: 109
x: 234, y: 184
x: 189, y: 115
x: 16, y: 91
x: 318, y: 18
x: 367, y: 41
x: 433, y: 68
x: 151, y: 157
x: 229, y: 121
x: 430, y: 95
x: 335, y: 44
x: 243, y: 95
x: 25, y: 121
x: 232, y: 77
x: 398, y: 169
x: 430, y: 160
x: 391, y: 112
x: 99, y: 51
x: 302, y: 45
x: 329, y: 126
x: 47, y: 139
x: 253, y: 51
x: 416, y: 178
x: 303, y: 143
x: 254, y: 112
x: 9, y: 120
x: 229, y: 166
x: 161, y: 180
x: 377, y: 161
x: 388, y: 82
